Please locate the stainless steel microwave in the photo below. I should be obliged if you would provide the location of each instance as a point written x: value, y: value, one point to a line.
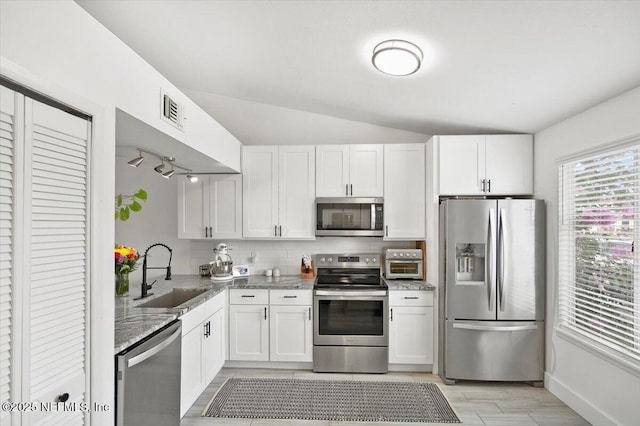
x: 349, y: 217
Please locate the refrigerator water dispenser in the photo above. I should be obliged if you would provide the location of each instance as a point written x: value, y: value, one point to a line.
x: 470, y: 263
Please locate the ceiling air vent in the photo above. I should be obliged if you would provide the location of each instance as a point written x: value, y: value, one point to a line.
x: 172, y: 112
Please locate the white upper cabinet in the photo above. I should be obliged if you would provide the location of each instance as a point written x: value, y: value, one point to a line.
x: 210, y: 207
x: 404, y: 191
x: 279, y: 192
x: 486, y: 164
x: 349, y: 170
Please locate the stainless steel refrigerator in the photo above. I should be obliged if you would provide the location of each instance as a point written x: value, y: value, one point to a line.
x: 492, y: 290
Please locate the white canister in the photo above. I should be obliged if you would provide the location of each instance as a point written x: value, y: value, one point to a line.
x: 276, y: 272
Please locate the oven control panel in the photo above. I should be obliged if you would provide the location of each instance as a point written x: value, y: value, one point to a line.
x: 366, y: 260
x: 409, y: 254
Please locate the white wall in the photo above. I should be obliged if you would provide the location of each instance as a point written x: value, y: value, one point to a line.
x: 158, y: 222
x: 600, y: 391
x: 63, y: 43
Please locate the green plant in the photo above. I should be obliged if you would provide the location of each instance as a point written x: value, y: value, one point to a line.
x: 127, y: 203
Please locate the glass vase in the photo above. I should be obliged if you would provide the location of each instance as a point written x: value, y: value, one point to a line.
x: 122, y: 284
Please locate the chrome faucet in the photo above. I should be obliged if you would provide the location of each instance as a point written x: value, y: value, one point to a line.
x: 144, y: 287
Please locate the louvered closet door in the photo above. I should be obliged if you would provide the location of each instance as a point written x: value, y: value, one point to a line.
x: 56, y: 158
x: 7, y: 161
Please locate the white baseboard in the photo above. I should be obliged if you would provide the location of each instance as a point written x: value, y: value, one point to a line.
x: 276, y: 365
x: 577, y: 403
x: 421, y: 368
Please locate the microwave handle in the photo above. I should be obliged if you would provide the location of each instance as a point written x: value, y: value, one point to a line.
x: 373, y: 216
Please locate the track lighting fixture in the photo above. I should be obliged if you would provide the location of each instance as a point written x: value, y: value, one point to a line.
x: 136, y: 161
x: 160, y: 168
x: 168, y: 173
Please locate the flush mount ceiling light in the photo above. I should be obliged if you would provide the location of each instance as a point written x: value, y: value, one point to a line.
x: 136, y: 161
x: 397, y: 57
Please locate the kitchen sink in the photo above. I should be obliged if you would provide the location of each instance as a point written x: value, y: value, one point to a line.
x: 175, y: 297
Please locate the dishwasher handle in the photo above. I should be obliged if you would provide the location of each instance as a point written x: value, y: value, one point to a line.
x: 154, y: 350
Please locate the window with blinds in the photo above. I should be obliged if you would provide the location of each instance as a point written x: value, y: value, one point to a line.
x: 599, y: 280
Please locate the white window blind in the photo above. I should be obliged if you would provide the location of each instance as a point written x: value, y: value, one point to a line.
x: 599, y: 268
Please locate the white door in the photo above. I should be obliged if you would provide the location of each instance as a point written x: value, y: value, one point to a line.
x: 297, y: 183
x: 404, y: 191
x: 260, y: 191
x: 509, y: 160
x: 290, y: 337
x: 212, y: 347
x: 56, y: 265
x: 193, y: 211
x: 9, y: 392
x: 366, y: 163
x: 225, y: 206
x: 332, y: 170
x: 462, y: 164
x: 248, y: 333
x: 191, y: 383
x: 411, y: 335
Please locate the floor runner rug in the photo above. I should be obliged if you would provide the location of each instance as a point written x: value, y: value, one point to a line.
x: 345, y: 400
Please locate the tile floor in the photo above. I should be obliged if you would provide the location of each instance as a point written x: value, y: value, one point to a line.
x: 475, y: 403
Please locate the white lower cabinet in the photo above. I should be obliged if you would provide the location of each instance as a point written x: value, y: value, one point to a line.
x: 411, y: 327
x: 291, y: 326
x: 270, y: 325
x: 202, y: 349
x: 249, y: 325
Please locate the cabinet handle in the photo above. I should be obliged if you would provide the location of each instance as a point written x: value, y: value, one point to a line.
x: 391, y: 315
x: 351, y: 189
x: 346, y: 190
x: 483, y: 186
x: 280, y: 230
x: 309, y: 313
x: 411, y: 297
x: 265, y: 312
x: 275, y: 230
x: 386, y: 230
x: 211, y: 232
x: 248, y: 295
x: 206, y: 232
x: 489, y: 185
x: 290, y: 297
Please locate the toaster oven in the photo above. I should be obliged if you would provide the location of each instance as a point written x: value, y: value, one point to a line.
x: 403, y: 264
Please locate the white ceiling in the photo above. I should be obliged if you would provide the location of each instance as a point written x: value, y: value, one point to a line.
x: 292, y: 71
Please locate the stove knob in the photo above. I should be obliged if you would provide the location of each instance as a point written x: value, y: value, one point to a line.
x: 366, y: 260
x: 415, y: 255
x: 373, y: 260
x: 408, y: 254
x: 401, y: 254
x: 322, y: 259
x: 395, y: 254
x: 330, y: 259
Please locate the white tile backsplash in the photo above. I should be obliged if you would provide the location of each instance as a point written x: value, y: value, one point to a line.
x: 287, y: 255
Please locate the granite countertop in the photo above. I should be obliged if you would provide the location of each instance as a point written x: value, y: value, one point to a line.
x: 133, y: 323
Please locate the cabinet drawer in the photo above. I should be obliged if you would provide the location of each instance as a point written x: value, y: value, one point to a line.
x: 248, y: 297
x: 290, y: 297
x: 410, y: 298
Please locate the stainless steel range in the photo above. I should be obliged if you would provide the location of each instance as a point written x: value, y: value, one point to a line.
x: 351, y: 315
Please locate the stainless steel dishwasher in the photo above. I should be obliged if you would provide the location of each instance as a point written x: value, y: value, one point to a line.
x: 148, y: 380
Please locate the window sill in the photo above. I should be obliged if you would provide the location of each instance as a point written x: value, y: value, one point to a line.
x: 600, y: 350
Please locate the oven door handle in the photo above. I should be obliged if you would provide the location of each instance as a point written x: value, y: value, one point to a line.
x: 365, y: 293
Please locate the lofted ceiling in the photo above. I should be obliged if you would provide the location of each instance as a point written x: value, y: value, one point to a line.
x: 279, y: 72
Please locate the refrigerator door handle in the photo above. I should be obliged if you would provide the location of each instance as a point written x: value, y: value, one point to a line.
x: 489, y: 259
x: 501, y: 251
x: 496, y: 327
